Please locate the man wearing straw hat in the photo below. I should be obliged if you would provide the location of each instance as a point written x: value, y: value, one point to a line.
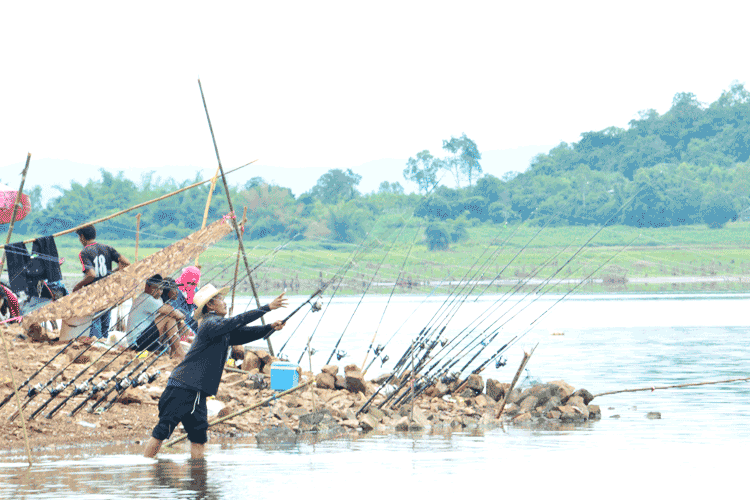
x: 199, y: 374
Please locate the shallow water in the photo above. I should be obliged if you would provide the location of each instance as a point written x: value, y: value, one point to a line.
x: 609, y: 343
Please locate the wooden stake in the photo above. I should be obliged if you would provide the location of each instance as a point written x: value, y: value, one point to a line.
x: 208, y: 204
x: 312, y: 376
x: 237, y: 265
x: 234, y: 219
x: 72, y: 230
x: 526, y: 357
x: 4, y: 328
x: 244, y: 410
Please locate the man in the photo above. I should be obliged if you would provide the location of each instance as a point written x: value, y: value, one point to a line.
x: 97, y: 260
x: 151, y: 323
x: 199, y: 374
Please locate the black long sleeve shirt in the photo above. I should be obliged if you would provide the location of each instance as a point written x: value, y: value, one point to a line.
x: 204, y: 363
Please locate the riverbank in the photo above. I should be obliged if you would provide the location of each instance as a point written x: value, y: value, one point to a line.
x: 326, y: 411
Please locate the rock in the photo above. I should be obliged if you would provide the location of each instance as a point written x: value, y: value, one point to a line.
x: 264, y: 356
x: 481, y: 401
x: 6, y: 382
x: 570, y: 414
x: 475, y: 383
x: 223, y: 397
x: 495, y: 389
x: 281, y: 435
x: 521, y: 418
x: 595, y: 413
x: 368, y: 422
x: 130, y: 398
x: 238, y: 353
x: 457, y: 422
x: 355, y: 382
x: 376, y: 413
x: 420, y: 418
x: 382, y: 378
x: 514, y: 397
x: 528, y: 403
x: 251, y: 361
x: 319, y: 421
x: 255, y: 381
x: 467, y: 393
x: 402, y: 424
x: 511, y: 410
x: 437, y: 390
x: 565, y: 388
x: 266, y: 370
x: 585, y: 395
x: 331, y: 370
x: 350, y: 424
x: 653, y: 415
x: 340, y: 382
x: 80, y: 358
x: 351, y: 368
x: 577, y: 402
x: 325, y: 380
x: 551, y: 403
x: 553, y: 414
x: 225, y: 411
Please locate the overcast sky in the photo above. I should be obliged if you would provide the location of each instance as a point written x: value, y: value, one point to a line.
x: 320, y: 84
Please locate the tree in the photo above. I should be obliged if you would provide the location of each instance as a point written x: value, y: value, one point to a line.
x: 465, y: 160
x: 336, y: 185
x: 254, y: 182
x: 423, y: 170
x: 390, y: 188
x: 717, y: 209
x: 437, y: 237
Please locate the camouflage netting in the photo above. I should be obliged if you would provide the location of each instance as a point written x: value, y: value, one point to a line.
x: 122, y: 285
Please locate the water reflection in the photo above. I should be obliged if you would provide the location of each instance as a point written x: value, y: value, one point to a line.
x: 192, y: 477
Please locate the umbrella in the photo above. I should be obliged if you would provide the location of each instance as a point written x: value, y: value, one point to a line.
x: 7, y: 199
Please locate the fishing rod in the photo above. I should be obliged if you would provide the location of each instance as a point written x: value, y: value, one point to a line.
x: 314, y: 307
x: 345, y: 267
x: 385, y: 256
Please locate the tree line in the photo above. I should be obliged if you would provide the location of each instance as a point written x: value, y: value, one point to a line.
x: 690, y: 165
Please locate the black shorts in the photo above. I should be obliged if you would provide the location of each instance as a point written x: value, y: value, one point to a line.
x: 148, y: 339
x: 182, y: 405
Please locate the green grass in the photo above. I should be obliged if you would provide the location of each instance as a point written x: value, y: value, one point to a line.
x: 673, y: 251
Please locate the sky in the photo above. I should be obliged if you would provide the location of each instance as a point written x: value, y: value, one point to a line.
x: 321, y: 85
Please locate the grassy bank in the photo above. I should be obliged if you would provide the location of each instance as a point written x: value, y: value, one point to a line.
x: 663, y: 252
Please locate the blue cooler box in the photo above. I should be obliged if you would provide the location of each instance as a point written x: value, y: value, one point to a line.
x: 284, y: 376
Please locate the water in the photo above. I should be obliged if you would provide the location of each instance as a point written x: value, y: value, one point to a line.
x: 609, y: 343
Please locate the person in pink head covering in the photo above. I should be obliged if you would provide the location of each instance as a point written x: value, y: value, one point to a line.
x: 187, y: 283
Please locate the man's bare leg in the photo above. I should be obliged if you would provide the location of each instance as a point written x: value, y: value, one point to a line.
x: 196, y: 450
x: 152, y: 447
x: 167, y: 327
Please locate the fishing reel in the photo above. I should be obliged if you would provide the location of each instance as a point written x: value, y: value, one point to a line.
x: 99, y: 387
x: 443, y: 342
x: 317, y: 305
x: 123, y: 384
x: 500, y: 362
x: 421, y: 345
x: 35, y: 390
x: 448, y: 379
x: 484, y: 343
x: 378, y: 349
x: 57, y: 390
x: 384, y: 360
x: 154, y: 376
x: 141, y: 380
x: 81, y: 388
x: 282, y: 357
x: 313, y: 351
x: 340, y: 354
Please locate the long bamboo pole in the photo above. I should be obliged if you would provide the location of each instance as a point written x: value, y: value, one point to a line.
x: 237, y: 265
x: 67, y: 231
x: 245, y: 410
x: 233, y: 219
x: 208, y: 204
x: 5, y: 329
x: 660, y: 387
x: 137, y: 235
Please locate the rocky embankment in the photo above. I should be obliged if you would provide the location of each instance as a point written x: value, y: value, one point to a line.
x: 327, y: 410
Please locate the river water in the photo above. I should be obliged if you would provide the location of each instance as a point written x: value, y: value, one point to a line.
x: 608, y: 342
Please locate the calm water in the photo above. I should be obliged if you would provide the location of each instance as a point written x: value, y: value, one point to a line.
x: 609, y: 343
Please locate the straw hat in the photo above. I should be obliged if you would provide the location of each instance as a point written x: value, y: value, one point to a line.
x: 204, y: 295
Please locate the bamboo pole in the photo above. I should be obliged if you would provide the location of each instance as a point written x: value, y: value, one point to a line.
x: 68, y: 231
x: 208, y: 205
x: 657, y: 388
x: 245, y: 410
x: 5, y: 329
x: 312, y: 376
x: 237, y: 265
x: 526, y: 357
x: 233, y: 219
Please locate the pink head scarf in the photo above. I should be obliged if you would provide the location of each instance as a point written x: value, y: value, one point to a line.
x: 189, y: 274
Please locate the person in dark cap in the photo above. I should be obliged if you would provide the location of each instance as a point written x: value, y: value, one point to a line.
x: 152, y: 324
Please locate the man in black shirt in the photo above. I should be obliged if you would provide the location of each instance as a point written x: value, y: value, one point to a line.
x: 97, y: 260
x: 199, y: 374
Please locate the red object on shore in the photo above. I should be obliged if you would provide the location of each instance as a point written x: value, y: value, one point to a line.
x: 7, y: 198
